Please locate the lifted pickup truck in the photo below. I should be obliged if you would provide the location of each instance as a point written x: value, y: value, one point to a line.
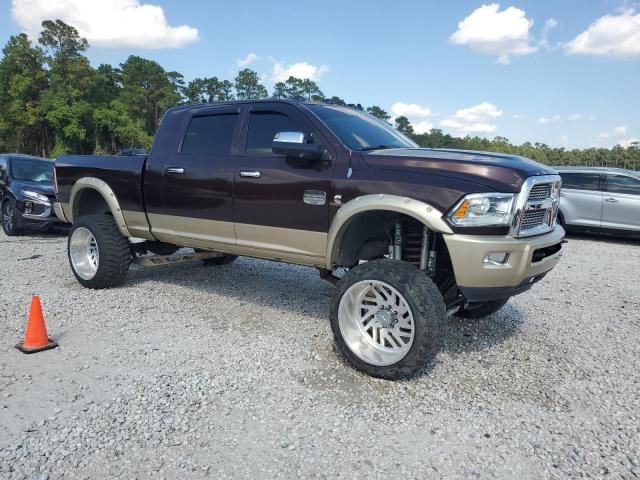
x: 421, y: 233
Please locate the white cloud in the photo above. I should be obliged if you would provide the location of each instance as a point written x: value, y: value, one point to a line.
x: 545, y: 120
x: 491, y: 31
x: 564, y: 140
x: 422, y: 127
x: 519, y: 116
x: 411, y: 110
x: 544, y: 34
x: 281, y: 71
x: 610, y: 35
x: 246, y: 61
x: 626, y: 143
x: 613, y: 138
x: 473, y: 120
x: 106, y: 23
x: 575, y: 117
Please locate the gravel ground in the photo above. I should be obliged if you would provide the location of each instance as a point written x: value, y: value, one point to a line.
x: 193, y: 372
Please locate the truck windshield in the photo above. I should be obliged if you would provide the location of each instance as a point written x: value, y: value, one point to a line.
x: 359, y: 130
x: 32, y: 170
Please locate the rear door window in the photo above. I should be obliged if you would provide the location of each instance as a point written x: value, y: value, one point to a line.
x: 210, y: 135
x: 581, y: 181
x: 623, y: 184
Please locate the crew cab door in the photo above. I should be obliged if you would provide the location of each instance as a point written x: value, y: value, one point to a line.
x: 621, y: 208
x: 281, y: 203
x: 197, y: 181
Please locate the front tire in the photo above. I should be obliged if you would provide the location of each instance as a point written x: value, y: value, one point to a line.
x: 98, y: 253
x: 482, y: 309
x: 9, y: 219
x: 388, y: 319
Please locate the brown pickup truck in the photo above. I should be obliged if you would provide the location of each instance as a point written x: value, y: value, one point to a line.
x: 416, y: 234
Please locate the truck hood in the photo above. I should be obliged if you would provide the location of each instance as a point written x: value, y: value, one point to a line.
x: 500, y: 172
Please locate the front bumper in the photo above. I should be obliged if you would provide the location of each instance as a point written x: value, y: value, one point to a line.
x: 529, y: 259
x: 34, y: 214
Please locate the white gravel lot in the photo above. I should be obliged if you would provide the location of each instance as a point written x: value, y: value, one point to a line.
x: 195, y: 372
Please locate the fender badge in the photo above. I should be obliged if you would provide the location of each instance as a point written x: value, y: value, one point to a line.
x: 314, y: 197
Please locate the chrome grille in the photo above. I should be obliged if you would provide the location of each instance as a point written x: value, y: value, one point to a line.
x: 540, y: 192
x: 536, y: 212
x: 532, y: 219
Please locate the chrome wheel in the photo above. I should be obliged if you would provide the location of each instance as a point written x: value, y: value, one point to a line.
x: 7, y: 217
x: 376, y: 322
x: 84, y: 253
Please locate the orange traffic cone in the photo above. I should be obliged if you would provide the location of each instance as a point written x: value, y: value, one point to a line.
x: 35, y: 337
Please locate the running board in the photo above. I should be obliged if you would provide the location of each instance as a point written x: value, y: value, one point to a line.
x: 160, y: 260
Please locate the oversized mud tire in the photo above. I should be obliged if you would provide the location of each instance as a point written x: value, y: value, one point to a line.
x: 482, y: 309
x: 388, y: 319
x: 98, y: 253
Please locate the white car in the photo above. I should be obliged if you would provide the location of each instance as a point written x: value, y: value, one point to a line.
x: 600, y: 200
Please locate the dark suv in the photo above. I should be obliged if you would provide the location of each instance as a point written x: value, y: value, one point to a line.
x: 26, y: 193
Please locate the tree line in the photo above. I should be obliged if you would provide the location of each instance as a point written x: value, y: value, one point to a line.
x: 52, y: 101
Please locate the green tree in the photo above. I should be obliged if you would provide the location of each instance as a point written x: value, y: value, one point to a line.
x: 23, y: 80
x: 147, y: 90
x: 378, y: 112
x: 248, y: 86
x: 66, y: 103
x: 403, y: 124
x: 115, y: 129
x: 280, y: 90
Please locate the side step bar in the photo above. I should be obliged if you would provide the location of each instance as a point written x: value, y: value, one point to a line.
x: 161, y: 260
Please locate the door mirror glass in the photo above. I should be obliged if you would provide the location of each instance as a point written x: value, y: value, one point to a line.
x: 294, y: 144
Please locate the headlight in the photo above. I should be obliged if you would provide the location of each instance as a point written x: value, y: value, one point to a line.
x: 483, y: 210
x: 35, y: 195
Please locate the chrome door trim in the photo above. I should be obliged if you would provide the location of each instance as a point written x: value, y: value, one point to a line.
x: 250, y: 174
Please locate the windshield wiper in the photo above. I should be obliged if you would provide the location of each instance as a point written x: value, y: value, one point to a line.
x: 379, y: 147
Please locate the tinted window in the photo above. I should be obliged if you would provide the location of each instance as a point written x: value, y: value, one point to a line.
x: 32, y: 170
x: 622, y: 184
x: 263, y: 126
x: 3, y: 167
x: 210, y: 135
x: 359, y: 130
x: 580, y: 181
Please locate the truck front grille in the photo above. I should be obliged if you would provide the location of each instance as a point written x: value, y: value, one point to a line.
x: 537, y: 214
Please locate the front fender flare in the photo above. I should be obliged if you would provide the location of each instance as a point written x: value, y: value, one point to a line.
x: 421, y: 211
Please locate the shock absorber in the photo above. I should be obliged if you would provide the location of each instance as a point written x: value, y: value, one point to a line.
x: 397, y: 241
x: 428, y: 252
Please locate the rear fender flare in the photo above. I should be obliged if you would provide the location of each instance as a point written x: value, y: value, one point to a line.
x: 421, y: 211
x: 109, y: 197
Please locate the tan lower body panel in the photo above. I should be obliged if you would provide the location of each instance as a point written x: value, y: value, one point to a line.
x: 467, y: 253
x: 137, y: 224
x: 273, y: 243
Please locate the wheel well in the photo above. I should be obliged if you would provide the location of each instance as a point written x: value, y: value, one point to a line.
x: 370, y: 235
x: 87, y: 202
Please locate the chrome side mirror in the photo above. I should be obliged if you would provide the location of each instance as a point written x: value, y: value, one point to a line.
x: 293, y: 144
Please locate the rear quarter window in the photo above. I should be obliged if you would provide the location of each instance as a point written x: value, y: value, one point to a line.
x: 210, y: 135
x: 581, y: 181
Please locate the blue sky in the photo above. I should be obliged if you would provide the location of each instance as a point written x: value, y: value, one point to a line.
x: 565, y: 73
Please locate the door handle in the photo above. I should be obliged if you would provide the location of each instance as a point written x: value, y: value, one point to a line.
x: 611, y: 200
x: 250, y: 174
x: 175, y: 170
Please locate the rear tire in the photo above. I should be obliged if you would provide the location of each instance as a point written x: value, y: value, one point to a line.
x: 482, y: 309
x: 98, y: 253
x: 388, y: 319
